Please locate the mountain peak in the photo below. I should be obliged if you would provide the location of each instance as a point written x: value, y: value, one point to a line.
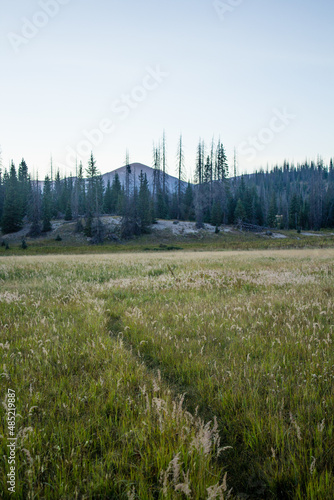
x: 136, y: 169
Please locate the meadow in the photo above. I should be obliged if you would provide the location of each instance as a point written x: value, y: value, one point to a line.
x: 169, y: 375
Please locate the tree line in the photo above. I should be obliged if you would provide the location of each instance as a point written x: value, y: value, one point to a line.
x: 286, y: 197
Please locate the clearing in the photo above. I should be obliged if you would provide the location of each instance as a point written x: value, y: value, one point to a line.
x: 169, y: 375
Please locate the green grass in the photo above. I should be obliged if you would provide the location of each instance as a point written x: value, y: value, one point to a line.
x: 164, y: 241
x: 132, y: 371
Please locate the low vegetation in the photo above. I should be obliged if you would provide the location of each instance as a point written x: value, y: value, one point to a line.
x: 64, y: 239
x: 169, y: 375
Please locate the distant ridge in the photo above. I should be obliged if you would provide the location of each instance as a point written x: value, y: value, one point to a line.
x: 136, y: 168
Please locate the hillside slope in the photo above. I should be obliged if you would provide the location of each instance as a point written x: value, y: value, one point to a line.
x: 136, y: 168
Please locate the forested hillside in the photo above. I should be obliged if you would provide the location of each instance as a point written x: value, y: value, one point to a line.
x: 287, y: 197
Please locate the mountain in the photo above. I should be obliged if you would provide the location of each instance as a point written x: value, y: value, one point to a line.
x: 136, y: 168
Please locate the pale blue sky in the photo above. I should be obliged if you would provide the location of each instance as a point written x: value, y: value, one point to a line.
x: 233, y: 75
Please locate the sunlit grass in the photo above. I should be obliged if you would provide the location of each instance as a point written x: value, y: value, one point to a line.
x: 170, y: 375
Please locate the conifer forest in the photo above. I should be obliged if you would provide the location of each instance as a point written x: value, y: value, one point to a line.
x: 288, y: 196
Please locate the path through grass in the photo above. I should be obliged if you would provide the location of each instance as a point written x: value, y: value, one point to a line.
x: 170, y: 375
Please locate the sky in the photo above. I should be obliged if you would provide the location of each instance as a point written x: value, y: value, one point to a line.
x: 110, y: 75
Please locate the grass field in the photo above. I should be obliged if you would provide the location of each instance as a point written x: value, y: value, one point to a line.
x: 159, y: 375
x: 73, y: 243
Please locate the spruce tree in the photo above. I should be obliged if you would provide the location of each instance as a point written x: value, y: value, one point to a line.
x: 156, y: 178
x: 121, y: 204
x: 12, y: 207
x: 93, y: 196
x: 107, y: 200
x: 239, y: 213
x: 57, y: 194
x: 65, y: 195
x: 221, y: 164
x: 47, y: 208
x: 24, y: 188
x: 248, y: 205
x: 161, y: 206
x: 92, y: 174
x: 116, y: 195
x: 180, y: 174
x: 144, y: 205
x: 68, y: 212
x: 81, y: 191
x: 189, y: 209
x: 258, y: 211
x: 2, y: 192
x: 272, y: 212
x: 164, y: 165
x: 216, y: 213
x: 35, y: 209
x: 127, y: 206
x: 294, y: 212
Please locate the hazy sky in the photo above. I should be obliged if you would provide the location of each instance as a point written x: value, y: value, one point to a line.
x: 108, y: 75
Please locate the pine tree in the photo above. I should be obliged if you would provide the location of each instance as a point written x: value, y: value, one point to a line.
x: 180, y: 172
x: 75, y: 197
x: 47, y: 208
x: 199, y: 193
x: 199, y: 164
x: 216, y: 213
x: 127, y: 184
x: 108, y: 201
x: 248, y: 205
x: 206, y: 189
x: 81, y: 191
x: 208, y: 171
x: 68, y: 212
x: 174, y: 204
x: 12, y: 208
x: 63, y: 196
x: 258, y: 210
x: 189, y: 210
x: 156, y: 174
x: 120, y: 209
x: 57, y: 195
x: 94, y: 198
x: 164, y: 166
x: 2, y: 195
x: 221, y: 164
x: 116, y: 195
x: 305, y: 215
x: 2, y: 190
x: 92, y: 174
x: 294, y: 212
x: 78, y: 198
x: 161, y: 208
x: 239, y: 213
x: 23, y: 178
x: 35, y: 209
x: 272, y: 212
x: 144, y: 203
